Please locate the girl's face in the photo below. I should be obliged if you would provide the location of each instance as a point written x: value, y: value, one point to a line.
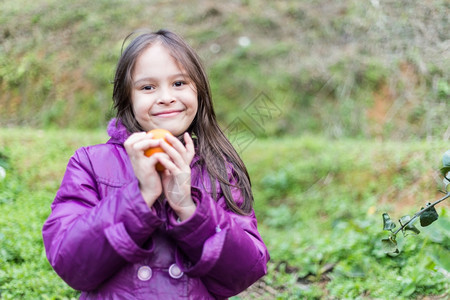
x: 163, y: 95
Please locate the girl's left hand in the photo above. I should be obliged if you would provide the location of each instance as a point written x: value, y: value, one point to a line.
x: 176, y: 178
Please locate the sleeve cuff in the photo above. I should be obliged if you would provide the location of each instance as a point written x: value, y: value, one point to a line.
x: 139, y: 207
x: 211, y: 252
x: 143, y: 220
x: 124, y: 245
x: 198, y: 228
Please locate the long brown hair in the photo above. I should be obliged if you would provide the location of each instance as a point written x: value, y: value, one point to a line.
x: 214, y: 149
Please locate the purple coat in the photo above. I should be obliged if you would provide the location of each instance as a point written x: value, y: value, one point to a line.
x: 102, y: 239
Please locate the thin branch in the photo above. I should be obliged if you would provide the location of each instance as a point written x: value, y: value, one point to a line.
x: 420, y: 212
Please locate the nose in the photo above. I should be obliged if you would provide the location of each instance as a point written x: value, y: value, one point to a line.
x: 165, y: 96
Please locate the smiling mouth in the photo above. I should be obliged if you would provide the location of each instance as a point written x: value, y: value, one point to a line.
x: 167, y: 114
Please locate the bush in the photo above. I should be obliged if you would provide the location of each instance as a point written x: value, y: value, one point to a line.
x: 318, y: 204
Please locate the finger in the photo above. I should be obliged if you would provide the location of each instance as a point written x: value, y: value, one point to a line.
x: 176, y: 156
x: 176, y: 143
x: 137, y: 136
x: 132, y: 139
x: 187, y: 151
x: 145, y: 144
x: 165, y: 160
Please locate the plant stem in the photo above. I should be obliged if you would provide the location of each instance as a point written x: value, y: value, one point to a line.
x: 420, y: 212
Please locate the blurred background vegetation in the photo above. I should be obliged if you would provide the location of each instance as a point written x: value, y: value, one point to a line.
x: 361, y: 98
x: 344, y: 68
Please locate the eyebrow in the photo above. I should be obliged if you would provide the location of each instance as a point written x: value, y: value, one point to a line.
x: 185, y: 75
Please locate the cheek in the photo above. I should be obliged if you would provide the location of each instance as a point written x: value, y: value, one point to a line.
x: 194, y: 108
x: 194, y: 101
x: 139, y: 106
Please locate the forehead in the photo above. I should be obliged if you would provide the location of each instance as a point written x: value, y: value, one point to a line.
x: 157, y: 57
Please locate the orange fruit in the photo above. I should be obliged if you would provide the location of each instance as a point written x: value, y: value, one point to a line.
x: 158, y: 133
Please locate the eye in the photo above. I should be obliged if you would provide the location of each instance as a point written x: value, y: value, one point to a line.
x: 147, y: 87
x: 179, y: 83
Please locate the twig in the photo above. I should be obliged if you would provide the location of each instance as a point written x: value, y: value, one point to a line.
x: 420, y: 212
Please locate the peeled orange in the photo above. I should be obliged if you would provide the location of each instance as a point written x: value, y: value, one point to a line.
x: 158, y: 133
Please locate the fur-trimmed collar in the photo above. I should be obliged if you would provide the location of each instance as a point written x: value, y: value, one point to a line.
x: 117, y: 131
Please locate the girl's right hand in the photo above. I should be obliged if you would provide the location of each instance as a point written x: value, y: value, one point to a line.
x: 145, y: 167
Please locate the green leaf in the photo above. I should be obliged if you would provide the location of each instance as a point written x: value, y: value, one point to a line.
x: 403, y: 220
x: 410, y: 227
x: 409, y: 289
x: 390, y: 245
x: 388, y: 224
x: 445, y: 163
x: 4, y: 160
x: 446, y: 159
x: 445, y: 170
x: 428, y: 216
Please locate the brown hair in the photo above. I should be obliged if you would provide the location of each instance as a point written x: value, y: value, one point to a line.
x: 213, y: 148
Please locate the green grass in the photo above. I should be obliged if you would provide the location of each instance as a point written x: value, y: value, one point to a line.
x: 318, y: 201
x: 376, y: 65
x: 34, y: 161
x: 347, y: 69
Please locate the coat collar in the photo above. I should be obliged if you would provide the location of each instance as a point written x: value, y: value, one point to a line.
x: 117, y: 131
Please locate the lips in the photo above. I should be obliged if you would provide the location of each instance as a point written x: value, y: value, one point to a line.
x: 168, y: 113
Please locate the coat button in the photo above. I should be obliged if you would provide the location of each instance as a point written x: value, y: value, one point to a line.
x: 175, y: 271
x: 144, y: 273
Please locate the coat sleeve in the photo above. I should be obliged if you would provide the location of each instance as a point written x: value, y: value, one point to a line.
x: 88, y: 238
x: 223, y: 248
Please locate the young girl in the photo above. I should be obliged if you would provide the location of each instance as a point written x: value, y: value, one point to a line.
x: 120, y: 229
